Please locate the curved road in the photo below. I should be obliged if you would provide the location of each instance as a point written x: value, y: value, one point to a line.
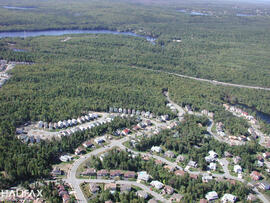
x: 214, y: 82
x: 75, y: 183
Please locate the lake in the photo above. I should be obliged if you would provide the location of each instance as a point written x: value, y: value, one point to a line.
x: 18, y: 8
x: 243, y: 15
x: 193, y: 13
x: 66, y: 32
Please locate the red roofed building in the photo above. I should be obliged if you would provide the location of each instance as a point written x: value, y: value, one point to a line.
x: 126, y: 131
x: 193, y: 176
x: 179, y: 173
x: 255, y: 175
x: 203, y: 201
x: 66, y: 198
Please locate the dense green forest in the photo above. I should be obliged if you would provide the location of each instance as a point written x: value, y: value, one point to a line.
x: 223, y: 46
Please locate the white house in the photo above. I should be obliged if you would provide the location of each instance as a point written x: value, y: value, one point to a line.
x: 87, y: 117
x: 74, y: 122
x: 142, y: 194
x: 213, y: 154
x: 100, y: 140
x: 237, y: 169
x: 69, y: 122
x: 210, y: 196
x: 158, y: 185
x: 40, y: 124
x: 65, y: 158
x: 60, y: 124
x: 212, y: 166
x: 79, y: 120
x: 156, y: 149
x: 228, y: 198
x: 192, y: 164
x: 207, y: 178
x: 65, y: 124
x: 143, y: 176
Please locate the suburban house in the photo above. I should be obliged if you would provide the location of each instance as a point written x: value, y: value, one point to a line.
x: 65, y: 198
x: 252, y: 197
x: 228, y: 198
x: 60, y: 124
x: 143, y: 176
x: 89, y: 172
x: 100, y: 140
x: 210, y: 196
x: 176, y: 197
x: 93, y: 187
x: 88, y: 144
x: 110, y: 186
x: 115, y: 173
x: 264, y: 185
x: 266, y: 155
x: 255, y: 175
x: 169, y: 168
x: 179, y: 173
x: 158, y: 185
x: 193, y: 176
x: 142, y: 194
x: 40, y: 124
x: 207, y: 178
x: 56, y: 172
x: 125, y: 132
x: 180, y: 158
x: 212, y: 166
x: 125, y: 188
x: 156, y: 149
x: 169, y: 154
x: 102, y: 173
x: 236, y: 159
x: 129, y: 174
x: 203, y: 201
x: 65, y: 158
x: 158, y: 162
x: 237, y: 169
x: 79, y: 151
x: 168, y: 190
x: 152, y: 201
x: 227, y: 154
x: 193, y: 164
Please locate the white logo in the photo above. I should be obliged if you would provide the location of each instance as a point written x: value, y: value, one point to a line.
x: 21, y: 194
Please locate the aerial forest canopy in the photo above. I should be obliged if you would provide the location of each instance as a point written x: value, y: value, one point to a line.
x: 94, y: 72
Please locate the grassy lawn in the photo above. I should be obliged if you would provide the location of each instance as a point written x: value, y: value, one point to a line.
x: 86, y: 190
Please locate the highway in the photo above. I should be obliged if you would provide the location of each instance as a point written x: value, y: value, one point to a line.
x: 214, y: 82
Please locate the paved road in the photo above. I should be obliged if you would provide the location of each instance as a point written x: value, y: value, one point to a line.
x: 72, y: 180
x: 206, y: 80
x: 143, y: 187
x: 119, y: 143
x: 180, y: 110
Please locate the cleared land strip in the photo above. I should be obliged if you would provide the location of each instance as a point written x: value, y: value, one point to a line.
x: 214, y: 82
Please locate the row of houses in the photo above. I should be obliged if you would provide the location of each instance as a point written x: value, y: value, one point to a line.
x: 241, y: 113
x: 71, y: 131
x: 103, y: 173
x: 63, y: 192
x: 134, y: 112
x: 212, y: 196
x: 112, y: 187
x: 67, y: 123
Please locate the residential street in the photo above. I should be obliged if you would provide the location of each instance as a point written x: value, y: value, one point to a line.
x: 75, y: 183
